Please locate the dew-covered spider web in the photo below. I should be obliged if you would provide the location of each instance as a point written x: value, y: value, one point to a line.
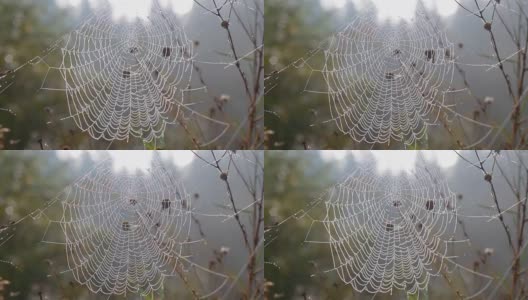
x: 126, y: 233
x: 386, y: 81
x: 388, y: 233
x: 127, y: 79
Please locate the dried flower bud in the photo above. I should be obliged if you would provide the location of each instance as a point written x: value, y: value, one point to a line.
x: 488, y: 177
x: 489, y: 100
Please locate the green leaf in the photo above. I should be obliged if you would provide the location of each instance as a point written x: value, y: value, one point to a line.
x: 424, y: 295
x: 155, y: 144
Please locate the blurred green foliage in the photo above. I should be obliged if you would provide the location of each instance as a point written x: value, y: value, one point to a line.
x: 28, y: 182
x: 34, y: 112
x: 293, y: 181
x: 293, y: 29
x: 297, y: 107
x: 29, y: 29
x: 32, y: 258
x: 298, y: 262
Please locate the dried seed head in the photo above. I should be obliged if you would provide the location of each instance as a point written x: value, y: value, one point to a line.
x: 224, y: 98
x: 487, y: 26
x: 225, y: 24
x: 488, y: 177
x: 223, y: 176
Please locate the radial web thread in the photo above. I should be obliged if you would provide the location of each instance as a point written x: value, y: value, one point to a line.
x: 386, y: 82
x: 126, y: 79
x: 127, y: 233
x: 389, y: 232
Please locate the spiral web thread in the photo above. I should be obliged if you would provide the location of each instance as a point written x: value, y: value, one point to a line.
x: 126, y: 79
x: 387, y: 232
x: 127, y: 233
x: 390, y: 82
x: 385, y: 80
x: 123, y: 79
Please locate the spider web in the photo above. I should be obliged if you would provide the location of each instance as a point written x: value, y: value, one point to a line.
x: 126, y: 80
x: 385, y: 80
x: 125, y: 233
x: 387, y: 233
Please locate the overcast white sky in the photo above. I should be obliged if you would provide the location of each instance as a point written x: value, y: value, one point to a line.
x: 396, y: 9
x: 131, y: 9
x: 396, y: 161
x: 133, y: 160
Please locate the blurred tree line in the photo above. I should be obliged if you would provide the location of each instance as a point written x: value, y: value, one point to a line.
x: 292, y: 183
x: 297, y: 105
x: 31, y: 265
x: 28, y: 182
x: 32, y: 115
x: 297, y: 267
x: 295, y: 185
x: 294, y: 31
x: 30, y: 28
x: 292, y: 28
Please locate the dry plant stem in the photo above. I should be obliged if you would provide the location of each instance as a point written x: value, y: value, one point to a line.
x: 518, y: 138
x: 232, y: 200
x: 516, y: 115
x: 186, y: 282
x: 258, y: 64
x: 258, y: 221
x: 252, y: 184
x: 445, y: 123
x: 496, y: 201
x: 450, y: 283
x: 520, y: 192
x: 520, y: 214
x: 225, y: 178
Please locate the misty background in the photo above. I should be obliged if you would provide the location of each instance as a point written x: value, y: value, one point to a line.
x: 32, y: 267
x: 297, y: 180
x: 297, y: 117
x: 31, y: 118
